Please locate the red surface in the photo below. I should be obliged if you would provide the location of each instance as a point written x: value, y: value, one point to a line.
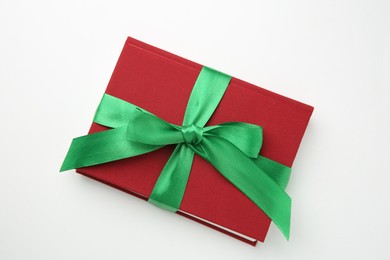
x: 161, y: 83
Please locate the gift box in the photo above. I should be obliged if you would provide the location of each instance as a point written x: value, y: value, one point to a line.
x: 161, y: 84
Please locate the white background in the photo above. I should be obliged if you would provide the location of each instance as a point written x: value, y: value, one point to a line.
x: 56, y: 59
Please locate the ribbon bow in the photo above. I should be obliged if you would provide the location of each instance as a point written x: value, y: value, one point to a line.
x: 232, y: 148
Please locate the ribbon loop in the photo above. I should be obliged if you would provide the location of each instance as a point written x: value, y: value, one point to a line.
x: 246, y: 137
x: 149, y: 129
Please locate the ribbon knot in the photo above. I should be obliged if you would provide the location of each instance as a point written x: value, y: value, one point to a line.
x: 192, y: 134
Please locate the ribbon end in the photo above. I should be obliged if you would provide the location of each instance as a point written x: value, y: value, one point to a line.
x: 284, y: 224
x: 285, y: 229
x: 69, y: 161
x: 287, y: 234
x: 65, y: 166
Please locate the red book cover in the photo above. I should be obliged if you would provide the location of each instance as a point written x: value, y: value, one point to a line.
x: 161, y: 83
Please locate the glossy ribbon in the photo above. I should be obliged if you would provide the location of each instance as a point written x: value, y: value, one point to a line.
x: 232, y: 148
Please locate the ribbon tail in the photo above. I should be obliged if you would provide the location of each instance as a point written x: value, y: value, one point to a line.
x: 169, y: 189
x: 279, y: 173
x: 245, y: 174
x: 102, y: 147
x: 113, y: 112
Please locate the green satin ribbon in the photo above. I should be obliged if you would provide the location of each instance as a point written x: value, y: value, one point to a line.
x: 232, y: 148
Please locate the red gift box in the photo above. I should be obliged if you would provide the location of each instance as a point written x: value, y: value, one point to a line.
x: 161, y: 83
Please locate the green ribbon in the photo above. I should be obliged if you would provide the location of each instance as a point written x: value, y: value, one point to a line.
x: 232, y: 148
